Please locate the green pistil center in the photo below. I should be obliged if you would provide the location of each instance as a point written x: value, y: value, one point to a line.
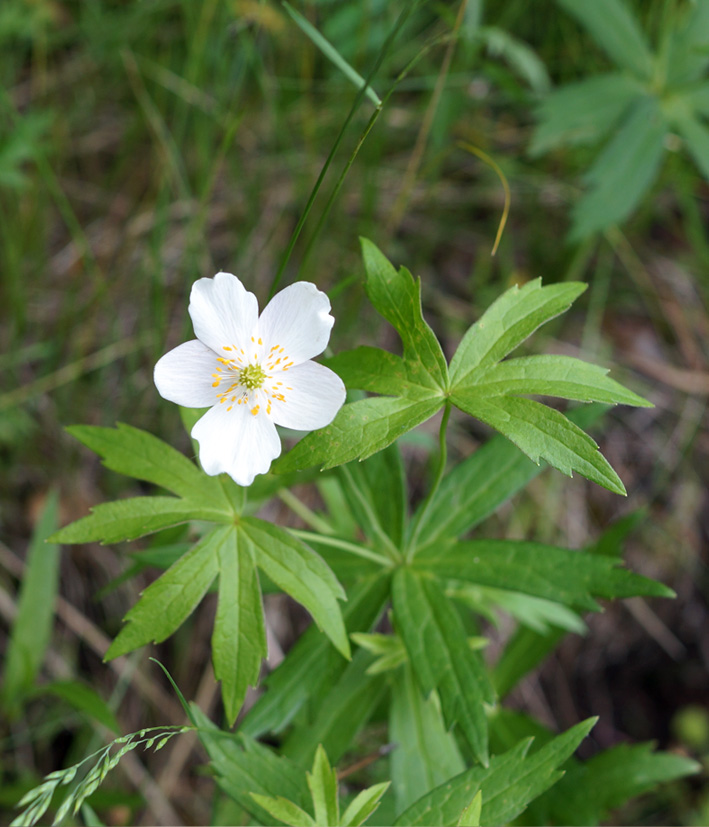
x: 252, y: 377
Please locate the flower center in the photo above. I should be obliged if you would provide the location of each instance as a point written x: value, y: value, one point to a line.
x: 252, y: 376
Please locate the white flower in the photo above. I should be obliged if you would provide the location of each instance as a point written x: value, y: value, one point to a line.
x: 255, y: 372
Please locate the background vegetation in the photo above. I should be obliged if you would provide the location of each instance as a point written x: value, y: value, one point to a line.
x: 146, y: 144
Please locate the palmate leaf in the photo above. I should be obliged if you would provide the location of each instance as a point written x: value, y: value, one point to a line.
x: 313, y: 665
x: 440, y: 656
x: 508, y: 785
x: 414, y: 384
x: 543, y: 434
x: 239, y: 637
x: 514, y: 316
x: 590, y: 790
x: 301, y: 573
x: 624, y: 170
x: 613, y: 27
x: 426, y: 754
x: 583, y: 112
x: 559, y: 575
x: 359, y: 430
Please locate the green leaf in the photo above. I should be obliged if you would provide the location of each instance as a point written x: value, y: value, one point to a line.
x: 138, y: 454
x: 470, y: 817
x: 331, y: 52
x: 359, y: 430
x: 363, y: 805
x: 512, y: 780
x: 171, y: 599
x: 573, y: 578
x: 301, y: 573
x: 378, y: 371
x: 696, y: 136
x: 441, y: 657
x: 135, y: 517
x: 397, y: 297
x: 514, y: 316
x: 478, y: 485
x: 313, y: 663
x: 85, y: 700
x: 561, y: 376
x: 284, y: 810
x: 239, y: 637
x: 688, y: 57
x: 542, y: 433
x: 389, y: 649
x: 582, y: 112
x: 589, y: 791
x: 524, y: 651
x: 243, y: 766
x: 32, y: 627
x: 520, y: 57
x: 426, y: 752
x: 613, y: 27
x: 340, y: 714
x: 623, y: 172
x: 322, y: 782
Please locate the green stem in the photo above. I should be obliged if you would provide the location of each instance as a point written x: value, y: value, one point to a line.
x: 440, y: 471
x: 345, y: 545
x: 307, y: 515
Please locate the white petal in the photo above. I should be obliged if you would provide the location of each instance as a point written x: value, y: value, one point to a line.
x: 223, y: 312
x: 316, y: 394
x: 236, y: 442
x: 183, y: 375
x: 297, y: 319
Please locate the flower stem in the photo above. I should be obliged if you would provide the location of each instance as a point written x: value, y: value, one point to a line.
x: 440, y: 471
x: 307, y: 515
x: 345, y: 545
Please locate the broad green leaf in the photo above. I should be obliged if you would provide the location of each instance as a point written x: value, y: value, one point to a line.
x: 85, y: 700
x: 478, y: 485
x: 613, y: 27
x: 441, y: 657
x: 32, y: 627
x: 171, y: 599
x: 331, y: 52
x: 561, y: 376
x: 590, y: 790
x: 301, y: 573
x: 313, y: 663
x: 284, y: 810
x: 696, y: 136
x: 514, y: 316
x: 243, y: 766
x: 378, y: 371
x: 573, y: 578
x: 322, y: 782
x: 396, y: 295
x: 359, y: 430
x: 426, y: 752
x: 543, y: 434
x: 512, y: 780
x: 138, y: 454
x: 239, y: 637
x: 623, y: 172
x: 582, y: 112
x: 363, y: 805
x: 135, y: 517
x: 470, y: 817
x: 340, y: 715
x: 688, y: 57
